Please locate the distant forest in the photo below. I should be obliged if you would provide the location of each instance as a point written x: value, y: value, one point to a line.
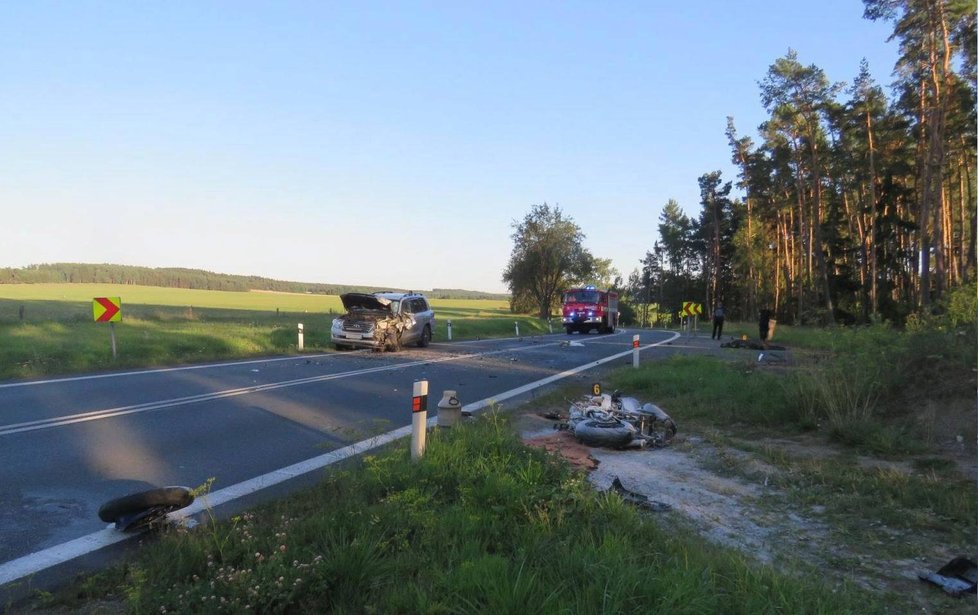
x: 168, y: 277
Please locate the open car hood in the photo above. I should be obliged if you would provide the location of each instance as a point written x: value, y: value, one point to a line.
x: 363, y: 301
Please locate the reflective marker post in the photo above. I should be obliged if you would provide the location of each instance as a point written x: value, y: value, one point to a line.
x: 300, y: 336
x: 419, y: 418
x: 517, y: 328
x: 449, y: 330
x: 635, y: 350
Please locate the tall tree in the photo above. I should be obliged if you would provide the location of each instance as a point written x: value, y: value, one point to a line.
x: 715, y: 230
x: 548, y: 255
x: 931, y: 33
x: 797, y: 96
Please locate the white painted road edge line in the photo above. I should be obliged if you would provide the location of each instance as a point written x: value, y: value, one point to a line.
x: 161, y: 370
x: 97, y: 415
x: 52, y: 556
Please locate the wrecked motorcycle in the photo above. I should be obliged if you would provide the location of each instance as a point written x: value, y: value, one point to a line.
x: 615, y: 421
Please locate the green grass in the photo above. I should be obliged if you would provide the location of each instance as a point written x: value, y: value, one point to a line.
x: 481, y: 524
x: 166, y: 326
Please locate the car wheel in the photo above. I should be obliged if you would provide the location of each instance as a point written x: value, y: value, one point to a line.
x: 425, y: 338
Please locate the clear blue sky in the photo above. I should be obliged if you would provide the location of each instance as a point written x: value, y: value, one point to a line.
x: 379, y: 143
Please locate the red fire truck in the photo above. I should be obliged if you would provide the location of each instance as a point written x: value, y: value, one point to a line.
x: 589, y: 308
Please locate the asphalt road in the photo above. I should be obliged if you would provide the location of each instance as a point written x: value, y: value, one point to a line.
x: 68, y: 445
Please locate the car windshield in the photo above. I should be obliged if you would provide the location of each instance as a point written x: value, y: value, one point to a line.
x: 581, y: 296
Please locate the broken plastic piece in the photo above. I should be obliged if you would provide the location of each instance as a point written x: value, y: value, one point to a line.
x: 957, y: 578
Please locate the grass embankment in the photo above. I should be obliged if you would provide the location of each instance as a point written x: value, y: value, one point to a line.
x: 482, y: 524
x: 167, y: 326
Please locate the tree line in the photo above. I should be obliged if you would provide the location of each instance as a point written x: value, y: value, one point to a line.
x: 856, y: 207
x: 172, y: 277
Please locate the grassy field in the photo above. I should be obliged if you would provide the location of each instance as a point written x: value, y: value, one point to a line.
x: 48, y: 329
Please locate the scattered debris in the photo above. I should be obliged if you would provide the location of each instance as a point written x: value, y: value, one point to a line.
x: 637, y: 499
x: 957, y: 578
x: 751, y: 344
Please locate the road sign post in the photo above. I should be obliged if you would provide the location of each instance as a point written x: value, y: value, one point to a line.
x: 108, y: 309
x: 419, y: 419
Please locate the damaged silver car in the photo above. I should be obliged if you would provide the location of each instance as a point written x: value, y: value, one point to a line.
x: 383, y: 321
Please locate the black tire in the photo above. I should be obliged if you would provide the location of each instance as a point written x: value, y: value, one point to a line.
x: 569, y: 329
x: 341, y: 346
x: 166, y: 498
x: 611, y: 434
x: 425, y: 338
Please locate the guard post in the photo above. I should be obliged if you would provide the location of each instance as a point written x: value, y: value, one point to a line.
x: 449, y: 330
x: 300, y: 336
x: 635, y: 344
x: 419, y: 418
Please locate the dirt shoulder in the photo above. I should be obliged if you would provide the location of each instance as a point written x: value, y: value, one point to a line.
x: 732, y: 497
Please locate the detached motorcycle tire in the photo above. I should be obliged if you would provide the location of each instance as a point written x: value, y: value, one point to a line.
x: 610, y: 434
x: 163, y: 499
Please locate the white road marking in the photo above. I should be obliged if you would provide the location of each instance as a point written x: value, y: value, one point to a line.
x: 31, y: 383
x: 38, y: 561
x: 96, y: 415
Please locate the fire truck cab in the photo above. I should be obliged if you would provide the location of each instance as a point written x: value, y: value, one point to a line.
x: 588, y: 308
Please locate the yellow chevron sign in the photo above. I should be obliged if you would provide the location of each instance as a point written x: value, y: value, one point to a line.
x: 692, y: 309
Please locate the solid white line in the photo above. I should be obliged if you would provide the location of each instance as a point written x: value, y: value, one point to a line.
x: 52, y: 556
x: 160, y: 370
x: 96, y: 415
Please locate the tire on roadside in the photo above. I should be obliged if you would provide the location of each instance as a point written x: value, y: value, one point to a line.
x: 169, y: 498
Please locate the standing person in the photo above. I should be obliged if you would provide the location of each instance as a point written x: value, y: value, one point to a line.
x: 763, y: 324
x: 718, y: 315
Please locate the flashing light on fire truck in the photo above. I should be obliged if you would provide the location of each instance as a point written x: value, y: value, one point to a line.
x: 587, y: 308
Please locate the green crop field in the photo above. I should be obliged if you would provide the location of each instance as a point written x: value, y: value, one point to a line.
x: 49, y: 329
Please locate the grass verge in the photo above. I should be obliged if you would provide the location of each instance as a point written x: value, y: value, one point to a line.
x: 481, y: 524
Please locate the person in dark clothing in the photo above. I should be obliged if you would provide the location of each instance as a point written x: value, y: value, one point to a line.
x: 718, y: 315
x: 764, y: 324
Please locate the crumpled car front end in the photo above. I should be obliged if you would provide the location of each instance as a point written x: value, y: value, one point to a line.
x: 369, y: 322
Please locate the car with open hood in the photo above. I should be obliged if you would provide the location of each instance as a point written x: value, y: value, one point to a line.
x: 383, y: 321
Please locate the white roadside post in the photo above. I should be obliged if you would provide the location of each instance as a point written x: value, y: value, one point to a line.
x: 449, y: 330
x: 300, y: 336
x: 516, y: 322
x: 550, y: 325
x: 419, y: 418
x: 635, y: 350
